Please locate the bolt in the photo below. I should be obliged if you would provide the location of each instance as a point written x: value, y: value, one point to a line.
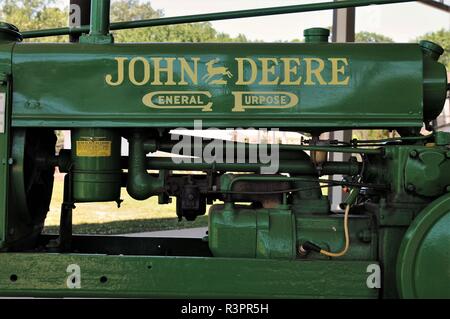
x: 365, y: 236
x: 447, y: 154
x: 411, y: 187
x: 413, y: 154
x: 448, y: 188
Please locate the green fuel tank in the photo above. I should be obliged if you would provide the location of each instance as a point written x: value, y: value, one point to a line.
x: 315, y: 86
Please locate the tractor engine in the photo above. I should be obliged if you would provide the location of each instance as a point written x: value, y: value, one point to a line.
x: 271, y: 225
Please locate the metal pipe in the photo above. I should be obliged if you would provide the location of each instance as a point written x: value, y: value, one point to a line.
x: 285, y: 166
x: 215, y: 16
x: 99, y: 17
x: 168, y: 146
x: 140, y: 184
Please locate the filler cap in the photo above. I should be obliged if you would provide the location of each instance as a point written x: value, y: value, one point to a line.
x: 316, y: 35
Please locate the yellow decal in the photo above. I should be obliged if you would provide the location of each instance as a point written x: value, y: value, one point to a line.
x: 178, y: 100
x: 212, y: 71
x: 93, y: 148
x: 241, y: 71
x: 290, y: 70
x: 263, y: 100
x: 336, y: 70
x: 317, y: 71
x: 222, y: 76
x: 267, y: 71
x: 120, y: 73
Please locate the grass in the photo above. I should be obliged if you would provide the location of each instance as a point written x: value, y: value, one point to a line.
x: 131, y: 226
x: 105, y: 218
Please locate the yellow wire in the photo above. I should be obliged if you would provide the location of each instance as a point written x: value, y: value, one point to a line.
x: 347, y: 238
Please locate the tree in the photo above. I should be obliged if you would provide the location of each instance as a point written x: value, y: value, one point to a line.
x: 34, y: 15
x: 372, y: 37
x: 41, y: 14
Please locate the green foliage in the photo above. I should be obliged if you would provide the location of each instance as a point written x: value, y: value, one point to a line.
x: 42, y: 14
x: 129, y: 10
x: 33, y: 15
x: 372, y: 134
x: 372, y: 37
x: 441, y: 37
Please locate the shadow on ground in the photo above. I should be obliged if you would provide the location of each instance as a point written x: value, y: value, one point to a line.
x: 132, y: 226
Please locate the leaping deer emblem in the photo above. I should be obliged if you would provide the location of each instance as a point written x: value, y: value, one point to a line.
x: 216, y: 70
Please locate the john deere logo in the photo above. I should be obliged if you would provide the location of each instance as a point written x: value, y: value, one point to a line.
x: 217, y: 72
x: 208, y: 74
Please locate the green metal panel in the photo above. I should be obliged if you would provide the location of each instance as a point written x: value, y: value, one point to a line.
x: 138, y: 276
x: 67, y: 85
x: 327, y: 231
x: 427, y: 172
x: 423, y: 263
x: 253, y: 233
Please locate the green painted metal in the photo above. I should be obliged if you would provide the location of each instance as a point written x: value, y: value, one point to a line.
x: 242, y: 232
x: 99, y: 17
x: 389, y: 240
x: 147, y: 96
x: 427, y: 172
x: 140, y: 184
x: 424, y: 259
x: 285, y: 166
x: 99, y: 27
x: 5, y: 111
x: 442, y: 138
x: 245, y: 232
x: 194, y: 277
x: 316, y: 35
x: 96, y: 165
x: 9, y: 32
x: 215, y: 16
x: 398, y: 223
x: 288, y: 149
x: 435, y: 88
x: 327, y: 231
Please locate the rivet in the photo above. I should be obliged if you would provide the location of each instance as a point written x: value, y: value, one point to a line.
x: 413, y: 153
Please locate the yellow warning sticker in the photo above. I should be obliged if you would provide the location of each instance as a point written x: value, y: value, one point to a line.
x: 94, y: 148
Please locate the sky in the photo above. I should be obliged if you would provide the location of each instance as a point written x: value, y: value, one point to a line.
x: 402, y: 22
